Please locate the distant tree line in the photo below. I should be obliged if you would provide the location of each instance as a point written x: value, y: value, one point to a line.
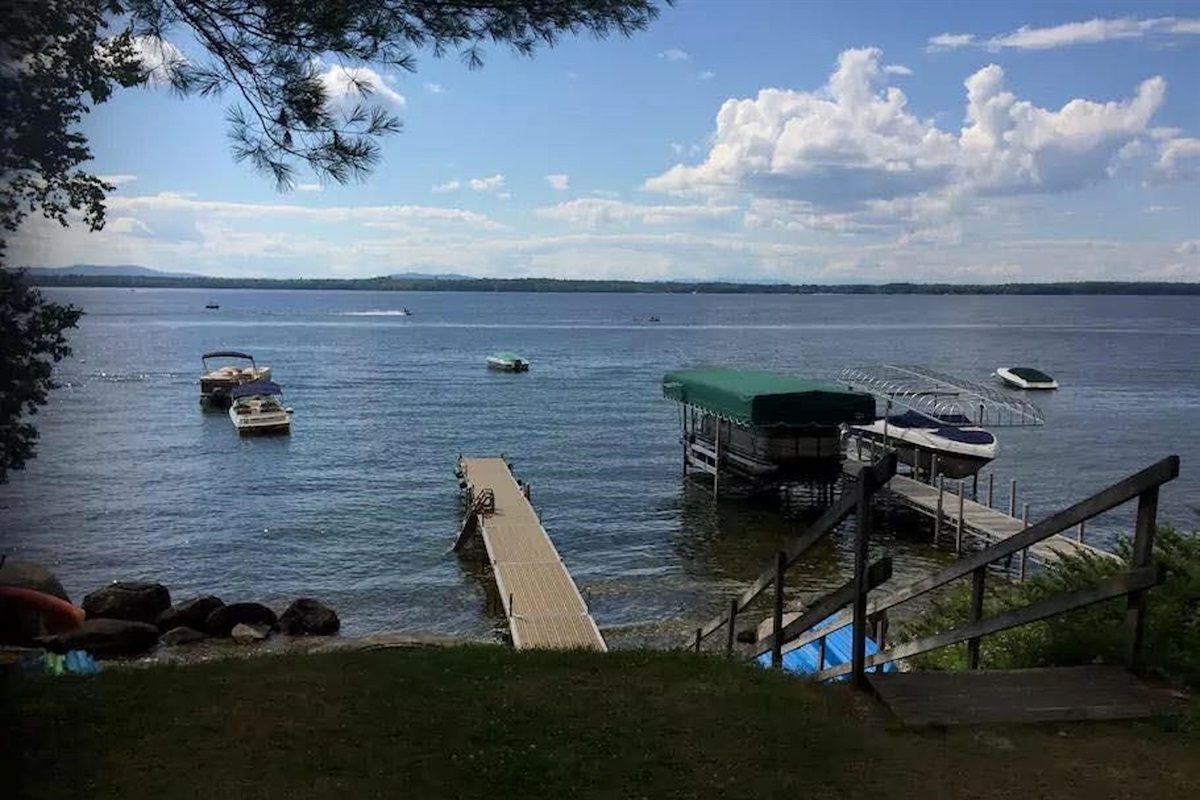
x: 615, y: 287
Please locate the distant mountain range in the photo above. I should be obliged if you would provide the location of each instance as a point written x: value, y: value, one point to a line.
x: 105, y: 270
x: 109, y: 269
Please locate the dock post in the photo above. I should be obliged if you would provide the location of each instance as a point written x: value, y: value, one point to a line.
x: 937, y: 520
x: 1012, y: 497
x: 777, y: 618
x: 699, y: 636
x: 730, y: 633
x: 717, y: 459
x: 1079, y: 534
x: 958, y: 531
x: 933, y: 469
x: 858, y: 446
x: 991, y: 487
x: 975, y: 487
x: 862, y: 544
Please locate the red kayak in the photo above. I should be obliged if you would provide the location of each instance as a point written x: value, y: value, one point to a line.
x: 58, y: 615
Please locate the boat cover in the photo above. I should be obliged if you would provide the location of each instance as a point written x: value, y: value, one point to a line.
x: 911, y: 419
x: 507, y: 356
x: 1030, y: 374
x: 227, y: 354
x: 763, y: 399
x: 256, y: 387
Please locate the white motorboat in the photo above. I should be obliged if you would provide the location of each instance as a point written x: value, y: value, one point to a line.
x: 258, y: 408
x: 218, y: 382
x: 1026, y: 378
x: 961, y: 449
x: 508, y: 362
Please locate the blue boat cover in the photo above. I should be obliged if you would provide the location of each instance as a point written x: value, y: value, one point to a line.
x: 255, y: 387
x: 911, y: 419
x: 838, y: 650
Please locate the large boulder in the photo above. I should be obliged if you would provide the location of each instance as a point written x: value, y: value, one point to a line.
x: 26, y: 575
x: 189, y: 614
x: 130, y: 600
x: 309, y: 617
x: 104, y: 637
x: 221, y: 621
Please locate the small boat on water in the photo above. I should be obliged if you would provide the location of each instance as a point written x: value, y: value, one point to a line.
x: 217, y: 382
x: 505, y: 361
x: 1026, y: 378
x: 257, y: 408
x: 212, y: 306
x: 962, y: 449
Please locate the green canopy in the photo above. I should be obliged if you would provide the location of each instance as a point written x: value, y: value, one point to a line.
x: 759, y: 398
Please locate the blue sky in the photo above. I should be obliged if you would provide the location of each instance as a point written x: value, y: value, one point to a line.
x: 854, y: 142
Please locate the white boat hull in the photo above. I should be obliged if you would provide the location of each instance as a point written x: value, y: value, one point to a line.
x: 917, y: 447
x: 504, y: 365
x: 253, y: 422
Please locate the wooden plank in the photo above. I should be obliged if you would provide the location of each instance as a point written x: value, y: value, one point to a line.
x: 1052, y: 606
x: 878, y: 573
x: 988, y: 697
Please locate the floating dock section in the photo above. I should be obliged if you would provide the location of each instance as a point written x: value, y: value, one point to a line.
x: 542, y: 603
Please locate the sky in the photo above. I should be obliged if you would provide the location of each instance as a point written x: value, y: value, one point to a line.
x: 800, y: 142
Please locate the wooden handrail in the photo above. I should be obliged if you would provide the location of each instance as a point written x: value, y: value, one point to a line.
x: 1119, y: 493
x: 882, y: 471
x: 1108, y: 589
x: 878, y: 573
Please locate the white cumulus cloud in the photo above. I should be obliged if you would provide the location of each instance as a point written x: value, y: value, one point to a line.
x: 491, y: 184
x: 118, y: 180
x: 559, y: 182
x: 434, y: 88
x: 594, y: 212
x: 350, y: 85
x: 674, y: 54
x: 1178, y: 160
x: 159, y: 58
x: 855, y: 142
x: 448, y: 186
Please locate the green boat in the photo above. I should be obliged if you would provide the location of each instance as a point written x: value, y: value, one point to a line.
x: 505, y: 361
x: 764, y: 425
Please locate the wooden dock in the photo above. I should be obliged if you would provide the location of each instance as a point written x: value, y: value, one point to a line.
x: 978, y: 520
x: 542, y: 603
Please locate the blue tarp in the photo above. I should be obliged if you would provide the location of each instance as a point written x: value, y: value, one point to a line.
x: 255, y: 387
x: 838, y: 650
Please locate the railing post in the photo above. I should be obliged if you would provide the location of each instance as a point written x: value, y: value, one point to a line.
x: 1024, y: 552
x: 977, y: 581
x: 1143, y: 554
x: 717, y: 457
x: 937, y: 520
x: 777, y: 619
x: 862, y: 543
x: 699, y: 636
x: 958, y: 531
x: 1012, y: 497
x: 821, y: 654
x: 991, y: 487
x: 1079, y: 533
x: 933, y: 469
x: 730, y: 633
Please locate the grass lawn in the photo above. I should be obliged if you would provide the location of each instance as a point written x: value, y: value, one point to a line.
x: 492, y: 723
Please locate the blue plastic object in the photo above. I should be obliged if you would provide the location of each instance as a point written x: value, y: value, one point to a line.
x: 839, y: 645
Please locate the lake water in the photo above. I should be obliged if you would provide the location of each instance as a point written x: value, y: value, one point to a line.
x: 359, y: 505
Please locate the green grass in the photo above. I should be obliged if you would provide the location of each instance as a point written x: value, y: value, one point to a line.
x: 492, y: 723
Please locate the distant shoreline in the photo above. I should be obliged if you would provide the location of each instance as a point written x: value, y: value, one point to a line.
x: 549, y: 285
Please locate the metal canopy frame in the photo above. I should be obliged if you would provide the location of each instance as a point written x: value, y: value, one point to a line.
x: 942, y: 397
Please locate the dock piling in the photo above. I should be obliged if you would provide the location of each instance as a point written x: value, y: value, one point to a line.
x: 777, y: 618
x: 1012, y: 497
x: 958, y: 530
x: 937, y: 519
x: 991, y: 487
x: 729, y: 634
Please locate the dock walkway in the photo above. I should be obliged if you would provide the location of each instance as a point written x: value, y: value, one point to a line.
x: 978, y: 520
x: 542, y: 603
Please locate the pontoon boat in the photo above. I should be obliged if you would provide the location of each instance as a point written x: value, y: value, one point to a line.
x: 218, y: 381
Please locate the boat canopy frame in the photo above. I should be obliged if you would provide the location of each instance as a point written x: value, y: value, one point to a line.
x: 256, y: 388
x: 947, y: 399
x: 228, y: 354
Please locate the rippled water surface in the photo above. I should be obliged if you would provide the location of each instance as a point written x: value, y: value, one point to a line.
x: 359, y: 505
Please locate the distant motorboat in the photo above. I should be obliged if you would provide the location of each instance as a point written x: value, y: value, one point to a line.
x: 257, y: 408
x: 508, y: 362
x: 1026, y: 378
x: 216, y: 383
x: 212, y: 305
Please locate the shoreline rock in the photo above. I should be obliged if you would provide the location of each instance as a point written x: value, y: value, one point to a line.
x: 222, y: 620
x: 104, y: 637
x: 137, y: 601
x: 190, y: 613
x: 309, y: 617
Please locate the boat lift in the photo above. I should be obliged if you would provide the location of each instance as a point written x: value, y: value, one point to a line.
x: 946, y: 398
